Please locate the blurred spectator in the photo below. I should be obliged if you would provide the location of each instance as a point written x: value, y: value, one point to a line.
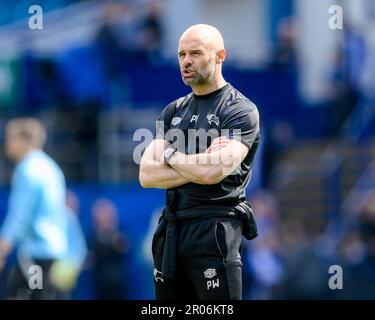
x: 265, y: 261
x: 353, y: 47
x: 352, y: 249
x: 151, y: 31
x: 305, y: 277
x: 109, y: 246
x: 117, y: 34
x: 305, y: 270
x: 341, y: 94
x: 77, y: 118
x: 277, y: 139
x: 285, y: 52
x: 126, y: 36
x: 264, y: 253
x: 346, y: 76
x: 362, y: 276
x: 116, y: 41
x: 294, y: 235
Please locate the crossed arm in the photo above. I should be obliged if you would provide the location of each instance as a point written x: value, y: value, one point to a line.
x: 154, y: 173
x: 221, y: 159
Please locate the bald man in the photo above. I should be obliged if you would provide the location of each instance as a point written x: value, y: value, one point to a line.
x: 202, y: 154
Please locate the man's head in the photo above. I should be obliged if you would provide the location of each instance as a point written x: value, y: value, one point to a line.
x: 23, y: 135
x: 201, y: 53
x: 105, y: 215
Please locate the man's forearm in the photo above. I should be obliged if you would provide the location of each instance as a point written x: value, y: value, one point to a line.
x: 203, y: 168
x: 157, y: 175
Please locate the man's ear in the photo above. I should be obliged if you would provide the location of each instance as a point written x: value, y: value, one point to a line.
x: 221, y: 54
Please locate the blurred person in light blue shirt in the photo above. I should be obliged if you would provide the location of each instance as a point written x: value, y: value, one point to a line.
x: 38, y: 220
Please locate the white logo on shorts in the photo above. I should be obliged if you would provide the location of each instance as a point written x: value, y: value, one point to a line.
x: 212, y: 284
x: 210, y: 273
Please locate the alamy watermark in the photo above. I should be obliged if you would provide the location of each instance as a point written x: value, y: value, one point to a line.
x: 336, y: 19
x: 35, y: 280
x: 336, y: 281
x: 36, y: 20
x: 192, y: 141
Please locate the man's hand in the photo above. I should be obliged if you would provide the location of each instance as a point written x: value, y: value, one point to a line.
x: 154, y: 173
x: 217, y: 144
x: 5, y: 248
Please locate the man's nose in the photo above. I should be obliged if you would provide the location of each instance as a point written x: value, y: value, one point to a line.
x: 187, y: 60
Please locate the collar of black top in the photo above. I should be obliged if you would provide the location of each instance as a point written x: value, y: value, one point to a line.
x: 213, y: 93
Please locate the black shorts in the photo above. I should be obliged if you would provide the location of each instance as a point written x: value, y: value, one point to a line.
x: 20, y: 288
x: 208, y: 262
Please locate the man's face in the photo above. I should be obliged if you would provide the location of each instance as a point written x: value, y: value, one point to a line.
x: 14, y: 145
x: 197, y: 62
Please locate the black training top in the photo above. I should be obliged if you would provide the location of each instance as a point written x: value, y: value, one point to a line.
x: 192, y: 122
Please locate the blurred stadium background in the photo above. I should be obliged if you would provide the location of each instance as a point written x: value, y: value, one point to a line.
x: 99, y: 70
